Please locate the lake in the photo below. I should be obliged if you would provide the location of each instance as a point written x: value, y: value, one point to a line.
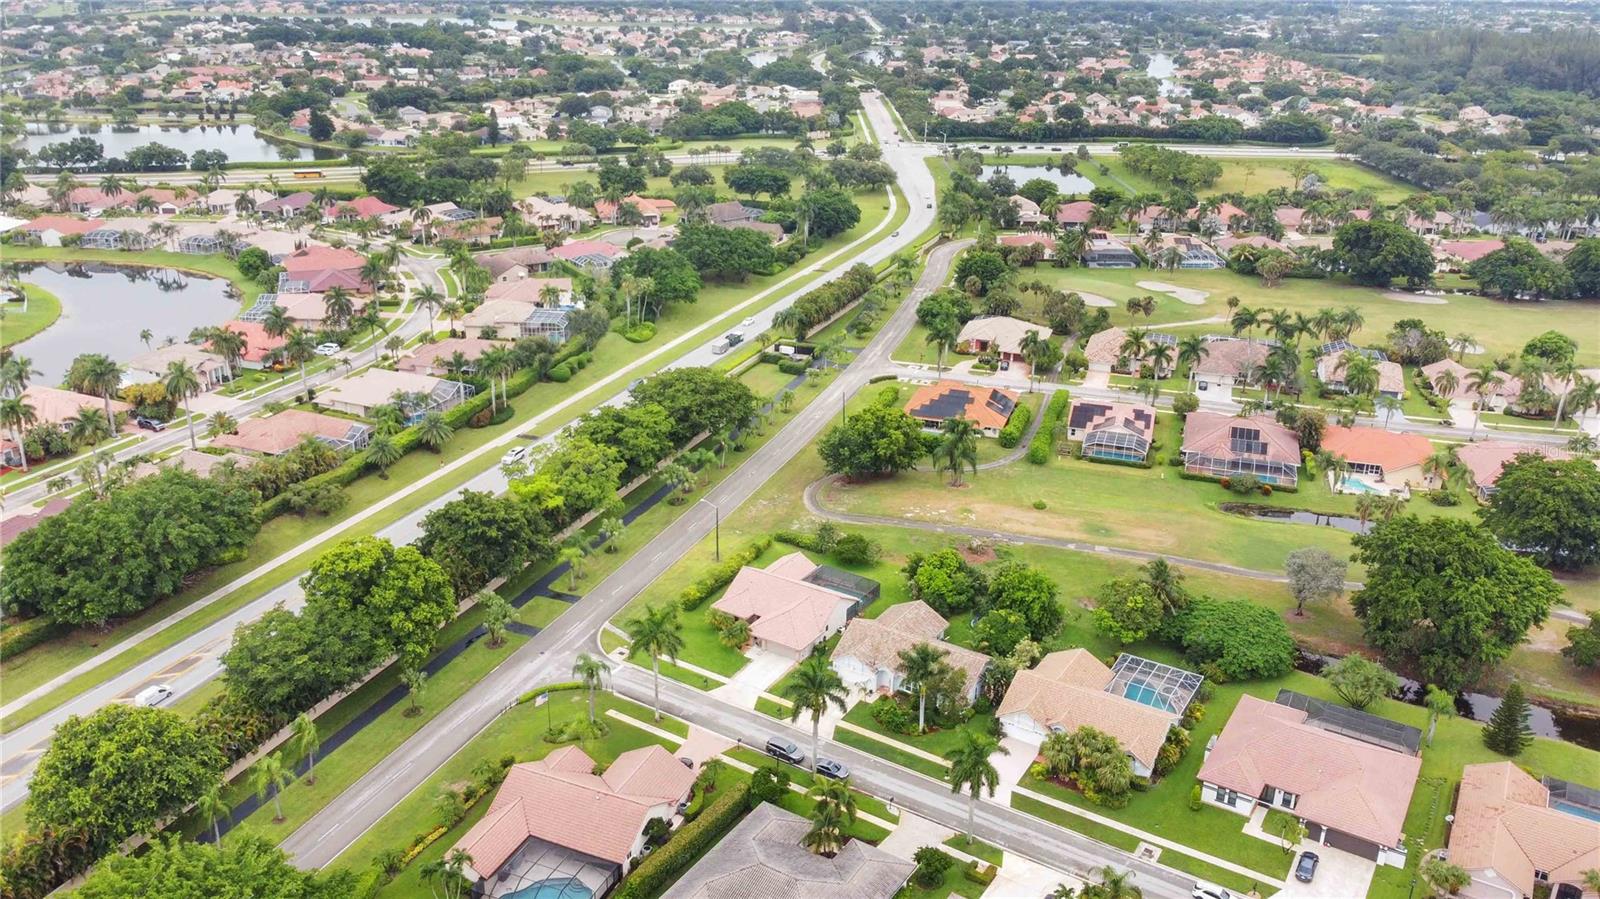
x: 1022, y: 174
x: 1162, y: 68
x: 240, y: 142
x: 762, y: 58
x: 104, y: 307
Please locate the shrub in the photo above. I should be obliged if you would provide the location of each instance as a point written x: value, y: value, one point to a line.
x: 1044, y: 440
x: 1243, y: 484
x: 640, y: 333
x: 984, y: 875
x: 894, y: 717
x: 1266, y: 489
x: 1239, y: 638
x: 1184, y: 403
x: 768, y: 783
x: 858, y: 549
x: 1194, y: 798
x: 1011, y: 434
x: 658, y: 869
x: 794, y: 366
x: 560, y: 374
x: 1039, y: 504
x: 931, y: 865
x: 721, y: 575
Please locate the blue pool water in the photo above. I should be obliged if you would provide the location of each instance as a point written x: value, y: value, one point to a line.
x: 1578, y: 810
x: 1145, y: 695
x: 562, y: 888
x: 1356, y: 485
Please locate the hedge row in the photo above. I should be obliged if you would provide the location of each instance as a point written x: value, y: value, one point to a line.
x: 719, y: 576
x: 1044, y: 441
x: 22, y: 636
x: 652, y: 875
x: 1011, y: 434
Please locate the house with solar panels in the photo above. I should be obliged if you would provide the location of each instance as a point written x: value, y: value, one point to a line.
x: 988, y: 408
x: 1117, y: 432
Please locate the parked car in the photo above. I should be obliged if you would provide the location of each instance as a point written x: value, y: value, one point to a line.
x: 153, y: 695
x: 1201, y: 891
x: 514, y: 455
x: 150, y: 424
x: 785, y: 750
x: 1306, y: 868
x: 831, y: 768
x: 930, y: 205
x: 327, y: 349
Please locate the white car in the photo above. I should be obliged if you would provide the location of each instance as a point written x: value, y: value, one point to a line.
x: 750, y: 320
x: 327, y: 349
x: 1204, y: 892
x: 153, y: 695
x: 514, y: 455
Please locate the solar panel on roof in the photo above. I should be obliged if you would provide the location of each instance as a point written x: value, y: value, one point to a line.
x: 1354, y: 724
x: 950, y: 404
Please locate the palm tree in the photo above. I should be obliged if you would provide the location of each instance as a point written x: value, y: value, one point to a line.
x: 1244, y: 319
x: 434, y: 431
x: 300, y: 348
x: 919, y: 666
x: 591, y: 670
x: 573, y: 555
x: 183, y: 382
x: 655, y: 631
x: 1445, y: 384
x: 970, y: 769
x: 15, y: 373
x: 18, y: 414
x: 1115, y: 884
x: 451, y: 309
x: 271, y: 776
x: 826, y: 835
x: 429, y: 299
x: 88, y: 427
x: 1482, y: 381
x: 498, y: 362
x: 1567, y: 378
x: 213, y: 808
x: 957, y: 448
x: 1463, y: 342
x: 145, y: 336
x: 1191, y: 350
x: 341, y: 308
x: 383, y: 452
x: 102, y: 375
x: 943, y: 332
x: 812, y: 687
x: 276, y: 322
x: 305, y: 742
x: 1390, y: 404
x: 835, y: 793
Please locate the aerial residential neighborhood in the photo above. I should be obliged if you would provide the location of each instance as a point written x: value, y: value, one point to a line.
x: 522, y: 450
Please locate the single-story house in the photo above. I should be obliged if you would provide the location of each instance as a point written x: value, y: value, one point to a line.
x: 731, y: 212
x: 195, y: 461
x: 1104, y: 251
x: 1045, y: 242
x: 789, y: 611
x: 1494, y: 398
x: 1194, y: 253
x: 1001, y: 334
x: 314, y: 269
x: 152, y: 366
x: 1485, y: 461
x: 434, y: 358
x: 1348, y: 774
x: 504, y: 317
x: 763, y: 856
x: 548, y: 292
x: 868, y: 654
x: 1137, y: 701
x: 376, y: 387
x: 1217, y: 446
x: 1104, y: 352
x: 1391, y: 377
x: 259, y: 346
x: 989, y: 408
x: 367, y: 207
x: 1381, y: 457
x: 277, y: 434
x: 308, y: 310
x: 54, y: 406
x: 1513, y: 833
x: 590, y: 254
x: 560, y: 803
x: 48, y: 230
x: 1121, y: 432
x: 1228, y: 362
x: 517, y: 263
x: 1075, y: 214
x: 558, y: 216
x: 650, y: 210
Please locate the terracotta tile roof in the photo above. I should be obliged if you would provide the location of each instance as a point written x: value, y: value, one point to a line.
x: 281, y: 432
x: 61, y: 224
x: 432, y: 356
x: 316, y: 258
x: 1485, y: 461
x: 1391, y: 377
x: 54, y: 405
x: 1375, y: 446
x: 878, y: 642
x: 1067, y: 691
x: 1503, y: 822
x: 1351, y: 786
x: 1210, y: 434
x: 560, y: 800
x: 1001, y: 331
x: 782, y: 608
x: 1231, y: 356
x: 258, y: 344
x: 1463, y: 391
x: 986, y: 407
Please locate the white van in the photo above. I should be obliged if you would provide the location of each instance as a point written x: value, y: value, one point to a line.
x: 720, y: 345
x: 153, y: 695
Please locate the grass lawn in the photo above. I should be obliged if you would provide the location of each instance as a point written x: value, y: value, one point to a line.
x: 1252, y: 175
x: 976, y: 848
x: 43, y: 308
x: 890, y: 753
x: 518, y: 733
x: 955, y: 883
x: 1498, y: 326
x: 615, y: 358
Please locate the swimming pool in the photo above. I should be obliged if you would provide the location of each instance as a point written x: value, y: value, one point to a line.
x: 1578, y: 810
x: 1356, y: 485
x: 557, y: 888
x: 1145, y: 695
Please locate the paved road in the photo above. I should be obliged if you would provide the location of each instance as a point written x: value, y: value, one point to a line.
x: 1015, y: 832
x: 194, y: 660
x: 549, y: 655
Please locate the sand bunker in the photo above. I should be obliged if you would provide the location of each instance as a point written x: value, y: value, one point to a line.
x: 1094, y: 299
x: 1419, y: 298
x: 1182, y: 294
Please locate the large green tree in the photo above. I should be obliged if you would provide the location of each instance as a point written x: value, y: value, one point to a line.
x: 1028, y: 591
x: 1445, y: 599
x: 874, y: 441
x: 1127, y: 610
x: 406, y: 596
x: 1549, y: 509
x: 640, y: 433
x: 673, y: 278
x: 1243, y: 640
x: 1519, y: 271
x: 283, y: 663
x: 698, y: 399
x: 1378, y: 252
x: 118, y: 772
x: 945, y: 581
x: 479, y: 537
x: 579, y: 476
x: 250, y: 866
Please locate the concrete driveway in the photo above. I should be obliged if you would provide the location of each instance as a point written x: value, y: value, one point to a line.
x: 1339, y: 875
x: 1012, y: 766
x: 756, y: 676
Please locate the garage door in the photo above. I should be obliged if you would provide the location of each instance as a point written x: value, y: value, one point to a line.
x: 1353, y: 845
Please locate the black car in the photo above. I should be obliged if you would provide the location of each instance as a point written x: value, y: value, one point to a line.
x: 831, y: 768
x: 150, y: 424
x: 785, y: 750
x: 1306, y: 868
